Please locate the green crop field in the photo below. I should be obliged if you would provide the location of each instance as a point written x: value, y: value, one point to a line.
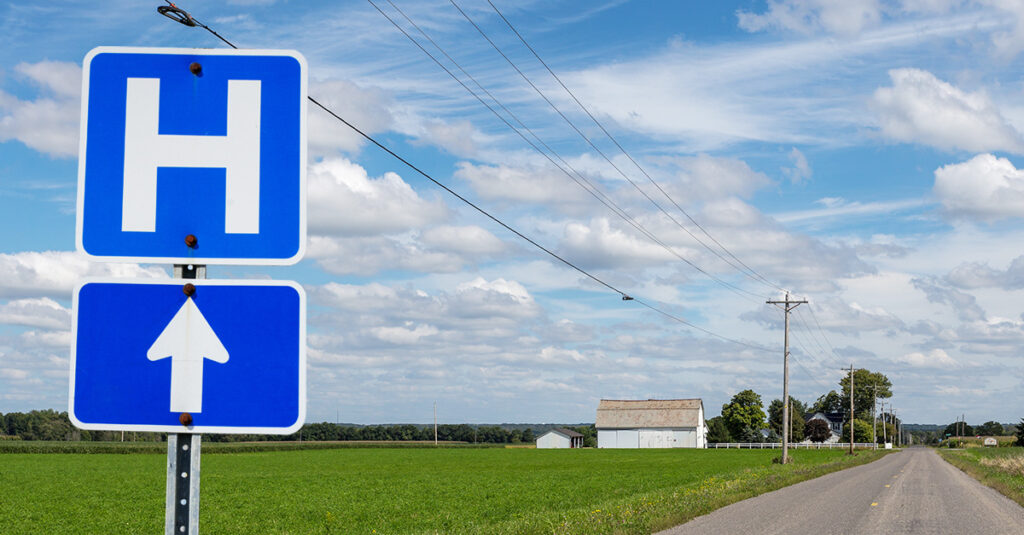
x: 405, y: 490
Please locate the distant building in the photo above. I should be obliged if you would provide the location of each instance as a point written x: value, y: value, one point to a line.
x: 834, y: 421
x: 560, y: 437
x: 652, y: 423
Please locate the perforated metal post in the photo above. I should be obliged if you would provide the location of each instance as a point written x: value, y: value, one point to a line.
x: 182, y: 513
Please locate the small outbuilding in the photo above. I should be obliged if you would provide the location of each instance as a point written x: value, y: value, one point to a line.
x: 560, y: 437
x: 651, y: 423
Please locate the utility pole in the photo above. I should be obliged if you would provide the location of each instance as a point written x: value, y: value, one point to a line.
x: 874, y: 413
x: 895, y: 428
x: 435, y: 423
x: 787, y: 306
x: 851, y: 408
x: 885, y: 439
x: 791, y: 418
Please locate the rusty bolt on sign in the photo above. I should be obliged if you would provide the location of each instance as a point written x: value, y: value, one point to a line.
x: 189, y: 289
x: 195, y: 68
x: 191, y: 241
x: 185, y: 419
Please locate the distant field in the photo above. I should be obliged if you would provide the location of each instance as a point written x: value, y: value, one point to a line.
x: 400, y: 490
x: 972, y: 442
x: 999, y: 468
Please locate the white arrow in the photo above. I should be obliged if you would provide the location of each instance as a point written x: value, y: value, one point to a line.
x: 187, y: 340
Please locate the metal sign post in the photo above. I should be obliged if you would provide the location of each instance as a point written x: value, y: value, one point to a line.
x: 182, y: 510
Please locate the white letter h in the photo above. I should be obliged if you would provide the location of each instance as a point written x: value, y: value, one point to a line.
x: 145, y: 149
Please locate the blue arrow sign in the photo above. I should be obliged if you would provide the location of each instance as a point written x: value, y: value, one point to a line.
x: 232, y: 356
x: 189, y: 142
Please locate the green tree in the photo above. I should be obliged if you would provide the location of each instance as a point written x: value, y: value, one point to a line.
x: 861, y: 431
x: 886, y: 435
x: 589, y: 433
x: 1020, y: 433
x: 831, y: 402
x: 745, y: 410
x: 864, y: 383
x: 959, y: 429
x: 528, y: 436
x: 990, y: 428
x: 796, y: 415
x: 817, y: 430
x: 717, y: 432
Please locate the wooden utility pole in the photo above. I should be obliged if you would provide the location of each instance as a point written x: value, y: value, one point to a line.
x: 787, y: 306
x: 851, y: 409
x: 435, y: 423
x: 885, y: 439
x: 874, y: 416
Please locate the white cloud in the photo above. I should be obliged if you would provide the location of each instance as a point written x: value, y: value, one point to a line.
x: 459, y: 138
x: 41, y: 312
x: 55, y: 273
x: 50, y: 339
x: 709, y: 178
x: 374, y: 254
x: 48, y: 124
x: 367, y: 109
x: 404, y: 335
x: 599, y: 244
x: 920, y: 108
x: 468, y: 240
x: 964, y: 305
x: 344, y: 200
x: 838, y: 208
x: 980, y: 275
x: 801, y: 170
x: 985, y: 187
x: 521, y: 184
x: 846, y: 17
x: 935, y: 358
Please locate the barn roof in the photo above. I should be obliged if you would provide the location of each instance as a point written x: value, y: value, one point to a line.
x: 632, y: 414
x: 567, y: 432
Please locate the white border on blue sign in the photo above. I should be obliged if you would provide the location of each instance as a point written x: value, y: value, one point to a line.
x: 303, y: 99
x: 300, y: 420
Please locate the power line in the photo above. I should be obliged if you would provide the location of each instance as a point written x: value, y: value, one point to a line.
x: 599, y: 151
x: 187, y: 18
x: 589, y: 187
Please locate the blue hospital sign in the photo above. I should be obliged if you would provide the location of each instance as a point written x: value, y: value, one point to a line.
x: 231, y: 355
x: 203, y: 143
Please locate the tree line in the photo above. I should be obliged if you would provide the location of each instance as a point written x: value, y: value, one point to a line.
x: 49, y: 424
x: 744, y: 419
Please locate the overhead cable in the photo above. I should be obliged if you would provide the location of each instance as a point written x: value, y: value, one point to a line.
x: 624, y: 295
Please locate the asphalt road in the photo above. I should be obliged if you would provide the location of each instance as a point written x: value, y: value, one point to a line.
x: 913, y: 491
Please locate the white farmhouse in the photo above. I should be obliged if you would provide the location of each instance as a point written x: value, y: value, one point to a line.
x: 652, y: 423
x: 560, y: 437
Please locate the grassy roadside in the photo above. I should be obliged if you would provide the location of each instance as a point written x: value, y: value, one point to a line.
x: 665, y: 508
x: 408, y: 490
x: 999, y: 468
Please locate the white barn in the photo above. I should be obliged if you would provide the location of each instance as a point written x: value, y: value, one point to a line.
x: 560, y: 437
x: 652, y: 423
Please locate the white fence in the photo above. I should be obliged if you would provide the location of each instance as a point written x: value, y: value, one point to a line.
x: 795, y: 445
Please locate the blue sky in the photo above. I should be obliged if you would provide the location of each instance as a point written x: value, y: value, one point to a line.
x: 863, y: 155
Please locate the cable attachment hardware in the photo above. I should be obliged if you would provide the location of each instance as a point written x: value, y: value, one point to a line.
x: 174, y: 12
x: 626, y: 298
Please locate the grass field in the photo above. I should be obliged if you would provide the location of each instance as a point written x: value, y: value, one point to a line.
x: 400, y: 490
x: 999, y: 468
